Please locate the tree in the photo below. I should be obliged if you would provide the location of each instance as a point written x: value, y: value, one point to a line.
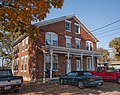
x: 105, y: 56
x: 17, y: 15
x: 6, y: 48
x: 115, y: 43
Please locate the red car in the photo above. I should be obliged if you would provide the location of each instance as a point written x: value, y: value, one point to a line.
x: 107, y: 74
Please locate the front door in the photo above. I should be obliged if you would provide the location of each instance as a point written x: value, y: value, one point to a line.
x: 78, y: 65
x: 68, y: 65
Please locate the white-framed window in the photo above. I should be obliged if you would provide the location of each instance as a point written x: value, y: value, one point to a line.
x: 78, y: 67
x: 68, y: 25
x: 89, y: 45
x: 18, y: 47
x: 22, y: 65
x: 77, y: 28
x: 90, y: 65
x: 26, y: 46
x: 77, y: 42
x: 26, y: 63
x: 23, y: 45
x: 68, y: 41
x: 51, y: 39
x: 48, y: 62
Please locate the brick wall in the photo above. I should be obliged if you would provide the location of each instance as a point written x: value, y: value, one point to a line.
x: 36, y: 58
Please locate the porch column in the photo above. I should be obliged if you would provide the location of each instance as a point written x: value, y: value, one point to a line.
x: 93, y: 63
x: 51, y: 67
x: 68, y: 55
x: 81, y: 61
x: 44, y: 68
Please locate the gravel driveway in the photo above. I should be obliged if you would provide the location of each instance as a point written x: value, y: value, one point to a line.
x: 38, y: 88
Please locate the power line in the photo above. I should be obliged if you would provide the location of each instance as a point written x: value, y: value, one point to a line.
x: 109, y: 35
x: 107, y: 31
x: 102, y: 30
x: 105, y: 25
x: 107, y: 28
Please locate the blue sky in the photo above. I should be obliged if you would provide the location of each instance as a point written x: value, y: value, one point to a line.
x: 95, y: 14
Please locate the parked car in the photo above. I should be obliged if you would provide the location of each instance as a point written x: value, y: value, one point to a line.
x: 9, y: 82
x: 81, y: 79
x: 107, y: 74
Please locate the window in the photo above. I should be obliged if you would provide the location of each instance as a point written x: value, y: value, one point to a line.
x: 100, y: 69
x: 87, y: 74
x: 55, y: 61
x: 23, y: 60
x: 68, y: 41
x: 77, y: 41
x: 48, y: 62
x: 89, y: 45
x: 16, y: 62
x: 77, y: 28
x: 51, y: 39
x: 17, y: 48
x: 23, y: 45
x: 72, y: 74
x: 26, y: 62
x: 68, y: 25
x: 90, y: 65
x: 26, y: 43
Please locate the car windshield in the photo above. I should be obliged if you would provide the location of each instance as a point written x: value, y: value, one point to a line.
x: 87, y: 74
x: 5, y: 73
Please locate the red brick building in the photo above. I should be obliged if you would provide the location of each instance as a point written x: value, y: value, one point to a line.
x: 63, y: 44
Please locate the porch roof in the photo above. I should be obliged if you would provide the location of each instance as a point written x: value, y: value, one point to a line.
x: 72, y: 51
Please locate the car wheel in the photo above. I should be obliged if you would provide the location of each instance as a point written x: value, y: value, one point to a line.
x: 16, y: 91
x: 61, y: 81
x: 81, y: 85
x: 118, y: 80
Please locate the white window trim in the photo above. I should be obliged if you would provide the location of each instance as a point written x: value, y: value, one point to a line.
x: 78, y: 29
x: 57, y: 62
x: 68, y: 21
x: 51, y: 39
x: 89, y: 44
x: 22, y: 64
x: 25, y: 63
x: 70, y: 25
x: 79, y: 40
x: 26, y: 40
x: 23, y: 45
x: 69, y: 37
x: 91, y: 64
x: 19, y: 47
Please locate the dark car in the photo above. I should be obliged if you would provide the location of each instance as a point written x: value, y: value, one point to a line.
x: 81, y: 78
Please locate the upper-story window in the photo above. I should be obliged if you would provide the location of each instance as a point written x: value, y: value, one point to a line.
x: 77, y: 28
x: 26, y: 43
x: 18, y: 47
x: 77, y: 41
x: 51, y: 39
x: 89, y: 45
x: 68, y: 41
x: 23, y: 44
x: 68, y: 25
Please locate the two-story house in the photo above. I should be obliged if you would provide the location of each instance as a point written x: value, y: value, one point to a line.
x: 63, y: 44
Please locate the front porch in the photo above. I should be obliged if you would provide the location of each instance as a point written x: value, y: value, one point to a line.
x: 68, y: 52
